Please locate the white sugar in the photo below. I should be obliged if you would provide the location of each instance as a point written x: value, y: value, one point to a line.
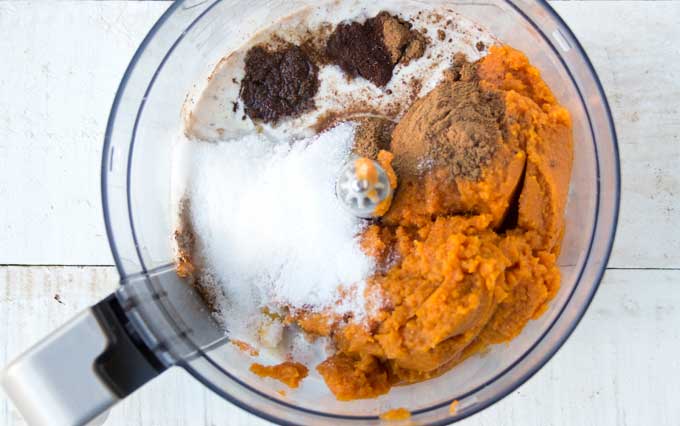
x: 270, y: 229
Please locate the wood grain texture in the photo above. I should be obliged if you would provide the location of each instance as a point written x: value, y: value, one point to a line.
x: 634, y: 47
x: 60, y: 67
x: 618, y: 368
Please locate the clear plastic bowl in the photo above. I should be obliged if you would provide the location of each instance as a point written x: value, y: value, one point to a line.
x: 179, y: 51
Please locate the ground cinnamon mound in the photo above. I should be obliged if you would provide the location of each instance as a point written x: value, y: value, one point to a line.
x: 451, y: 154
x: 288, y: 373
x: 456, y: 126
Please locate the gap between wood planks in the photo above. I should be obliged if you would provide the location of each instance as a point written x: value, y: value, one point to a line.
x: 50, y: 265
x: 56, y: 265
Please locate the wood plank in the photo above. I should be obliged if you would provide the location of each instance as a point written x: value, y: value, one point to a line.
x: 634, y: 48
x: 616, y: 369
x: 68, y: 59
x: 62, y: 63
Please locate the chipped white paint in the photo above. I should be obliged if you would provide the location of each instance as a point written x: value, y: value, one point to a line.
x: 60, y: 66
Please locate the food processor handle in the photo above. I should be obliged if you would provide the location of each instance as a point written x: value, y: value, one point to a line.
x: 77, y: 373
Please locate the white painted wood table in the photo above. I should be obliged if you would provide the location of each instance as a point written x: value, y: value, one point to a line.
x: 60, y: 64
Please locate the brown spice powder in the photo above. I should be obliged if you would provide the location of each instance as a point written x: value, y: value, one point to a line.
x: 351, y: 112
x: 395, y: 35
x: 372, y: 135
x: 457, y: 126
x: 186, y: 242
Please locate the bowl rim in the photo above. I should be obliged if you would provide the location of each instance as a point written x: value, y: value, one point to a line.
x: 515, y: 383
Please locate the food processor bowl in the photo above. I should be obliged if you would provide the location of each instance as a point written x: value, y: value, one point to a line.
x: 165, y: 319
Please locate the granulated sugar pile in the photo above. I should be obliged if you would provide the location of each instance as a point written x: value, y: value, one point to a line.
x: 270, y: 230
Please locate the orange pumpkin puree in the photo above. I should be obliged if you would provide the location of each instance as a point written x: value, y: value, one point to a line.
x: 460, y: 270
x: 288, y: 373
x: 396, y: 414
x: 245, y: 347
x: 385, y: 160
x: 542, y: 128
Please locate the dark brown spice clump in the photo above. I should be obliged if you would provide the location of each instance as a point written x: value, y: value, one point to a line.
x: 358, y: 49
x: 278, y: 83
x: 372, y: 49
